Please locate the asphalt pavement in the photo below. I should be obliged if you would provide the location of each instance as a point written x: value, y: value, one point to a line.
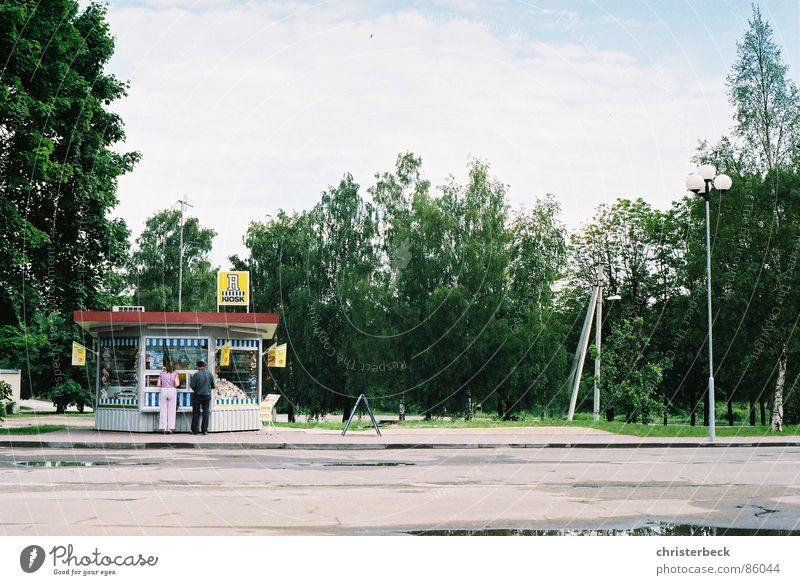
x: 244, y: 491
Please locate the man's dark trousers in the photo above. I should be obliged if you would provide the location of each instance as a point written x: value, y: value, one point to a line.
x: 199, y: 402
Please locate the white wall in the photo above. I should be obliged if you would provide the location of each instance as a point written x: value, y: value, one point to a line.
x: 13, y: 377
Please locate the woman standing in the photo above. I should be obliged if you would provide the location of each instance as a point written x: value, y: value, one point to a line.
x: 168, y: 381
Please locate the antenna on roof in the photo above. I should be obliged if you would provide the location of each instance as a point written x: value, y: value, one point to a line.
x: 184, y: 204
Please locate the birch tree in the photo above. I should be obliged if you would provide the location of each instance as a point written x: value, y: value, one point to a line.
x: 767, y: 114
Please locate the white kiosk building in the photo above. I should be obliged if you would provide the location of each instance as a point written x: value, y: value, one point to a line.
x: 132, y: 347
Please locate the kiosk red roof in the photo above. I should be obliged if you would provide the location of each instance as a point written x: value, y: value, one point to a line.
x: 261, y: 323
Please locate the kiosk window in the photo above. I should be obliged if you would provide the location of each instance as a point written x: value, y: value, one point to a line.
x: 118, y: 368
x: 182, y: 353
x: 239, y: 379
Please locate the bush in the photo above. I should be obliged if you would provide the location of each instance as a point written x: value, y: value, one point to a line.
x: 68, y: 393
x: 5, y: 392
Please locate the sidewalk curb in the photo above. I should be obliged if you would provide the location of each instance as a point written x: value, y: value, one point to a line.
x: 378, y: 446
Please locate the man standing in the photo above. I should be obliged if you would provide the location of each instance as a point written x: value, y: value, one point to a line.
x: 202, y: 383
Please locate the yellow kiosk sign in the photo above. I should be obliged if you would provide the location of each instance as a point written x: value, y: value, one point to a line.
x: 276, y: 356
x: 233, y: 288
x: 225, y: 355
x: 78, y: 354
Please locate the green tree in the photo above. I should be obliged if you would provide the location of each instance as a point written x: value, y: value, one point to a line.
x: 765, y: 100
x: 631, y: 375
x: 439, y: 301
x: 756, y: 287
x: 153, y: 267
x: 459, y: 270
x: 758, y: 247
x: 315, y: 270
x: 620, y: 240
x: 641, y: 253
x: 282, y: 259
x: 58, y: 171
x: 537, y: 260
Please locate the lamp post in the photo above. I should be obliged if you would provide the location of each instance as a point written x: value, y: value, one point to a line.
x: 595, y: 308
x: 184, y: 203
x: 699, y: 183
x: 597, y: 341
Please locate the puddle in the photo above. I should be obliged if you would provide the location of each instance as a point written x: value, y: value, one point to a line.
x: 368, y: 464
x: 653, y: 530
x: 79, y: 463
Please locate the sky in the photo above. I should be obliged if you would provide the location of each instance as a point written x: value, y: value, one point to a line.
x: 248, y: 107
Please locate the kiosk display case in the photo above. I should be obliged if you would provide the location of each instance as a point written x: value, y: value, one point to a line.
x: 132, y: 348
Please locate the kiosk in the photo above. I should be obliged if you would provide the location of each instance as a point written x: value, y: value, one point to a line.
x: 131, y: 347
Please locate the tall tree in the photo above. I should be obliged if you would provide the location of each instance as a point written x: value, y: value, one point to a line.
x: 58, y: 171
x: 282, y: 256
x: 620, y: 241
x: 767, y: 112
x: 439, y: 301
x: 537, y: 260
x: 642, y: 253
x: 153, y: 267
x: 765, y: 99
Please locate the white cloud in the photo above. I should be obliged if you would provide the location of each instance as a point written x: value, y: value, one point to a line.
x: 248, y: 110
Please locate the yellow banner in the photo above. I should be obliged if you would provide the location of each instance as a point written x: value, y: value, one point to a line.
x: 78, y: 354
x: 276, y: 356
x: 225, y: 355
x: 280, y: 356
x: 233, y: 288
x: 271, y: 355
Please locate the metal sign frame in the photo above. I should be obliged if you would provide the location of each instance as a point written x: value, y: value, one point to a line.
x: 369, y: 410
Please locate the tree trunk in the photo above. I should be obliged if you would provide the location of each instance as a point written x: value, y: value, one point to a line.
x: 348, y: 407
x: 610, y: 413
x: 693, y: 408
x: 776, y: 424
x: 705, y: 409
x: 290, y: 413
x: 752, y: 412
x: 506, y: 410
x: 763, y: 409
x: 730, y: 411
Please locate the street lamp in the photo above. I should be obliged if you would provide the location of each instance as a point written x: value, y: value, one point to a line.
x: 597, y: 341
x: 699, y: 183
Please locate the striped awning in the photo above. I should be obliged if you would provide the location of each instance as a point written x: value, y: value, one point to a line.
x: 119, y: 341
x: 175, y: 342
x: 242, y: 343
